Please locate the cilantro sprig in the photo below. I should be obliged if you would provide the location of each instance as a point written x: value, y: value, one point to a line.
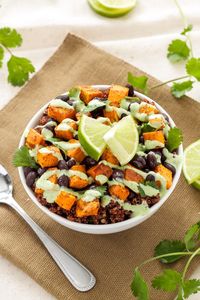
x: 22, y: 158
x: 19, y: 68
x: 179, y: 50
x: 170, y: 280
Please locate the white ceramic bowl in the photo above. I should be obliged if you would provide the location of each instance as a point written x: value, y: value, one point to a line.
x: 89, y: 228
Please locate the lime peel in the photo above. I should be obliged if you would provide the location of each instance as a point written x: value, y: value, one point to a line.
x: 191, y: 162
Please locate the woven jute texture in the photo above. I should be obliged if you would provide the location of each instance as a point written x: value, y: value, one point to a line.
x: 110, y: 257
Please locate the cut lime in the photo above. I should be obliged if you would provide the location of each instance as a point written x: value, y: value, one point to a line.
x: 123, y: 139
x: 106, y: 11
x: 90, y: 134
x: 118, y: 4
x: 196, y: 184
x: 191, y: 162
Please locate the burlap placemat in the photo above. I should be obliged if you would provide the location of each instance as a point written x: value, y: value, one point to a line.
x: 110, y: 257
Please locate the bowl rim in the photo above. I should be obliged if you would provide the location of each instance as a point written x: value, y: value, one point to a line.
x: 99, y: 228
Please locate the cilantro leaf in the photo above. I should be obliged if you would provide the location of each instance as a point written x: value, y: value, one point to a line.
x: 10, y: 37
x: 139, y: 287
x: 1, y: 56
x: 22, y: 158
x: 138, y: 81
x: 190, y: 287
x: 167, y: 247
x: 147, y: 128
x: 193, y: 67
x: 187, y: 29
x: 167, y: 281
x: 19, y: 69
x: 192, y: 236
x: 100, y: 189
x: 178, y: 50
x: 179, y: 89
x: 174, y: 139
x: 74, y: 93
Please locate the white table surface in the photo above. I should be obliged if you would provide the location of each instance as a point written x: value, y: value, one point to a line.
x: 140, y: 38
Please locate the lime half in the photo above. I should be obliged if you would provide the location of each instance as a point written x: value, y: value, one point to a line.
x: 196, y: 184
x: 118, y: 4
x: 191, y: 162
x: 108, y: 10
x: 123, y: 139
x: 90, y: 134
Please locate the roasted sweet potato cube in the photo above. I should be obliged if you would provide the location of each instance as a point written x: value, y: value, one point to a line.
x: 88, y: 93
x: 38, y: 192
x: 100, y: 169
x: 166, y: 173
x: 131, y: 175
x: 77, y: 182
x: 80, y: 168
x: 112, y: 115
x: 119, y: 191
x: 63, y: 132
x: 154, y: 136
x: 147, y: 109
x: 48, y: 156
x: 109, y: 156
x: 65, y: 200
x: 53, y: 178
x: 116, y: 94
x: 60, y: 113
x: 34, y: 138
x: 85, y: 209
x: 155, y: 120
x: 76, y: 153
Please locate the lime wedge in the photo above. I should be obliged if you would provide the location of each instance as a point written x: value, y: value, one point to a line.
x: 191, y: 162
x: 108, y: 11
x: 196, y: 184
x: 90, y: 134
x: 118, y: 4
x: 123, y: 139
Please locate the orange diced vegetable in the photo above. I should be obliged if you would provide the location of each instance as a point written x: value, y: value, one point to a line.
x: 76, y: 153
x: 116, y: 94
x: 48, y: 159
x: 53, y: 178
x: 65, y: 200
x: 119, y: 191
x: 154, y: 136
x: 147, y: 109
x: 85, y: 209
x: 166, y: 173
x: 80, y: 168
x: 88, y: 93
x: 131, y: 175
x: 38, y: 192
x: 156, y: 120
x: 66, y: 134
x: 100, y: 169
x: 112, y: 115
x: 34, y: 138
x: 60, y: 113
x: 109, y: 156
x: 77, y: 182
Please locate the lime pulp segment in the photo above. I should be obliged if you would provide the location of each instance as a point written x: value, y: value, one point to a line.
x: 191, y: 162
x: 123, y: 139
x: 90, y: 134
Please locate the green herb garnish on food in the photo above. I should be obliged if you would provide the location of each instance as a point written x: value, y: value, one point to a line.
x: 22, y: 158
x: 19, y: 68
x: 170, y: 280
x: 74, y: 93
x: 174, y: 139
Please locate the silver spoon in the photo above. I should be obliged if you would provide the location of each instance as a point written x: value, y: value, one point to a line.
x: 80, y: 277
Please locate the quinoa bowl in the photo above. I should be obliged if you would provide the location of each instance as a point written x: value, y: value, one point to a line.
x: 119, y: 205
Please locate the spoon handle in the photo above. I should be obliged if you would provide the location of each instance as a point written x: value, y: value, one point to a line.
x: 80, y: 277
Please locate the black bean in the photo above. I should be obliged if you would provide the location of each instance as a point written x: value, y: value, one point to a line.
x: 132, y: 195
x: 138, y: 162
x: 117, y: 174
x: 151, y: 161
x: 63, y: 97
x: 30, y: 178
x: 150, y: 177
x: 130, y: 90
x: 141, y: 139
x: 70, y: 102
x: 146, y: 170
x: 62, y: 165
x: 97, y: 112
x: 50, y: 127
x: 63, y: 180
x: 129, y: 107
x: 170, y: 167
x: 166, y: 117
x: 27, y: 170
x: 41, y: 171
x: 71, y: 162
x: 76, y: 137
x: 92, y: 186
x: 89, y: 162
